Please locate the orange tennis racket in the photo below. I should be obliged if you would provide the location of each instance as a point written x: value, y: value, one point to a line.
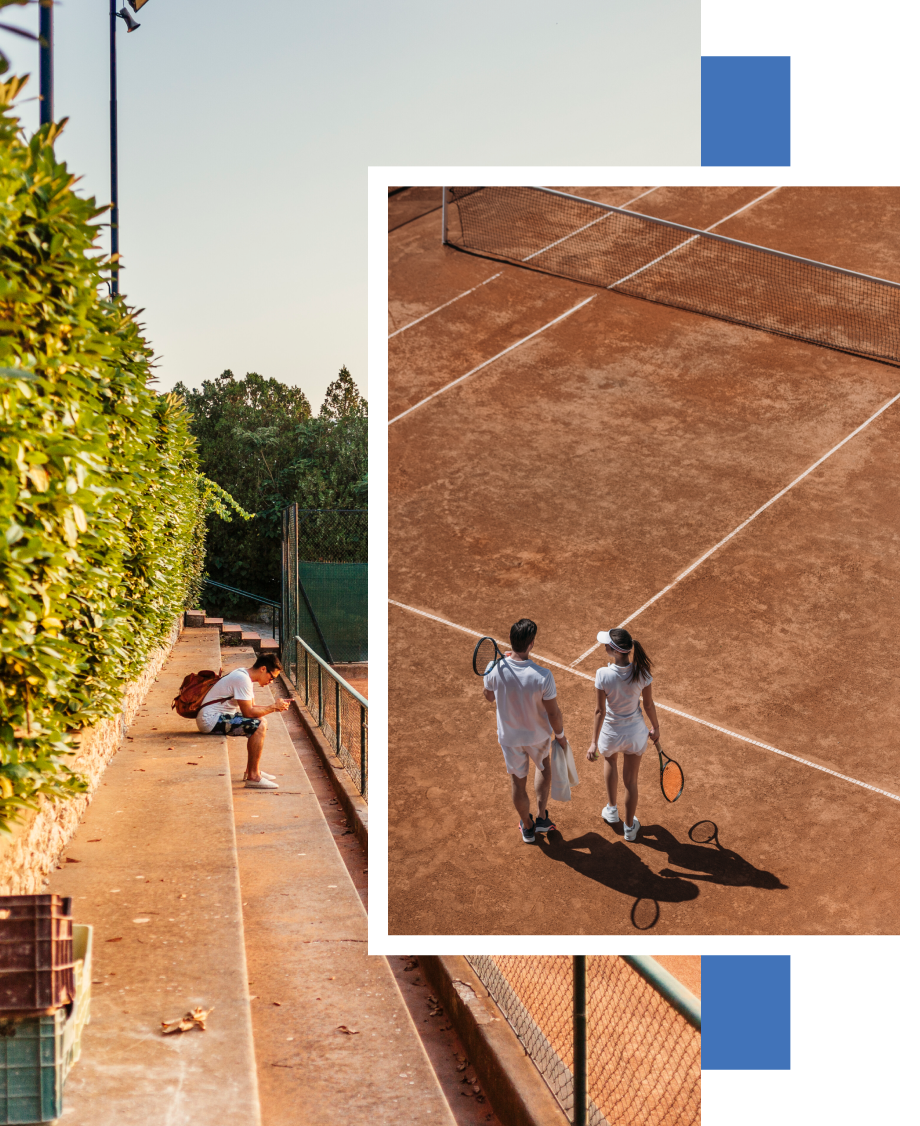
x: 672, y: 777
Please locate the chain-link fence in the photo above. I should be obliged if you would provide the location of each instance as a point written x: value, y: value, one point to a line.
x: 643, y: 1038
x: 340, y: 711
x: 324, y: 581
x: 333, y: 535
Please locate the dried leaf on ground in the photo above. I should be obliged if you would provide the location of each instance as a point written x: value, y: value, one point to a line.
x: 114, y: 939
x: 195, y: 1018
x: 348, y: 1031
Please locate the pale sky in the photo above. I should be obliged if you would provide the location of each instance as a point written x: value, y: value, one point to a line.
x: 245, y: 133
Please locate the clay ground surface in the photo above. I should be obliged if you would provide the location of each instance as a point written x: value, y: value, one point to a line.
x: 571, y: 481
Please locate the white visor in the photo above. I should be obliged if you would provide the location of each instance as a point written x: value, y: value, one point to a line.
x: 604, y: 638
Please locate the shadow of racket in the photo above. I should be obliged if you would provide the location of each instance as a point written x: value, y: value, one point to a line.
x: 704, y: 832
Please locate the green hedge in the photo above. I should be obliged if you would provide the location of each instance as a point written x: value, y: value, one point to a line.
x: 101, y: 504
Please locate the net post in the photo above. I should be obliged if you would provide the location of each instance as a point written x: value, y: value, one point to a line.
x: 444, y: 216
x: 579, y: 1030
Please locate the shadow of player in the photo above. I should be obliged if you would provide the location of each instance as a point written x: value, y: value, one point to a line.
x: 617, y: 866
x: 709, y: 862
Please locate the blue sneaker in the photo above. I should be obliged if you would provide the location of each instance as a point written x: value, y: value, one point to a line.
x: 528, y: 832
x: 544, y: 824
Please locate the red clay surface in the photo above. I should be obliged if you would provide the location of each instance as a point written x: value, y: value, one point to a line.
x: 573, y: 479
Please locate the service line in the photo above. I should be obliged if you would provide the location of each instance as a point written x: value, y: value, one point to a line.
x: 664, y: 707
x: 485, y: 363
x: 466, y: 293
x: 744, y: 523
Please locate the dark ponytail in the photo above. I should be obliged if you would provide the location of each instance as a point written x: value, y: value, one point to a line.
x: 641, y: 664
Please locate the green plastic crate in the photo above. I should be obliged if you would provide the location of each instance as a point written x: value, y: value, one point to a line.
x: 32, y: 1069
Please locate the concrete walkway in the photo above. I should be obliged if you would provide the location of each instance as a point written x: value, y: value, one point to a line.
x: 201, y: 892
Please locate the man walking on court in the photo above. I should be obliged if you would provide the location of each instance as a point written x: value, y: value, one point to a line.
x: 529, y: 718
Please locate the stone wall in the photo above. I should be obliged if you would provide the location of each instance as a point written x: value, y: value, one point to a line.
x: 29, y: 853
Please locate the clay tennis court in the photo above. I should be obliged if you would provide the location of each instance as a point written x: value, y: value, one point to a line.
x: 615, y: 460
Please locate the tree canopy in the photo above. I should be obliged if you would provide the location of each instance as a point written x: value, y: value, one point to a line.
x: 259, y: 440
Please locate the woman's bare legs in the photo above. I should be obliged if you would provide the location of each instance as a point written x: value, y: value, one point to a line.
x: 610, y: 777
x: 631, y: 764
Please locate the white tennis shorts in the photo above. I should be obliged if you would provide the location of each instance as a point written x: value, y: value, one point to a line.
x: 518, y: 759
x: 631, y: 740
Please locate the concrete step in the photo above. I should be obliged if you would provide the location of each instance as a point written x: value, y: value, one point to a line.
x: 231, y: 634
x: 250, y: 910
x: 250, y: 638
x: 269, y: 645
x: 157, y: 879
x: 213, y: 623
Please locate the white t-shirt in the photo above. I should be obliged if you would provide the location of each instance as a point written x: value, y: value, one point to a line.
x: 622, y: 693
x: 519, y: 686
x: 237, y: 685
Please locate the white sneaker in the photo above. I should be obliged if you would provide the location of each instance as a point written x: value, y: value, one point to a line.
x: 262, y: 784
x: 629, y: 831
x: 610, y: 814
x: 264, y: 774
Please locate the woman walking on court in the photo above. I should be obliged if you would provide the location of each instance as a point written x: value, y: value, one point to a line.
x: 618, y: 724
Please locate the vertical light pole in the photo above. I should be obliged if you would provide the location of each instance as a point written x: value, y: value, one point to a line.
x: 132, y: 25
x: 46, y: 61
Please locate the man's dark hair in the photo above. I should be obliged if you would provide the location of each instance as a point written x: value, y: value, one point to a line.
x: 267, y: 661
x: 522, y: 633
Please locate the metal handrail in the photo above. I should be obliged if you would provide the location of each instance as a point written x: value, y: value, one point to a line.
x: 245, y: 593
x: 329, y: 669
x: 357, y: 756
x: 248, y: 594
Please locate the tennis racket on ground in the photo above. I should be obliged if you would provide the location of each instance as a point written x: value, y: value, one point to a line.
x: 672, y: 777
x: 485, y: 655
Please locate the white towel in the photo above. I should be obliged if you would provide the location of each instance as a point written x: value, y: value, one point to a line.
x: 565, y: 776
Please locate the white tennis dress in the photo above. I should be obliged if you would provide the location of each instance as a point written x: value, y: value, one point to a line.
x: 624, y: 730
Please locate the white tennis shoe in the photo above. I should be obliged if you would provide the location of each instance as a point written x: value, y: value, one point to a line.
x: 610, y: 814
x: 262, y: 784
x: 629, y: 831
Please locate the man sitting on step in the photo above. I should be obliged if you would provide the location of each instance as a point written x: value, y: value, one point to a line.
x: 228, y: 709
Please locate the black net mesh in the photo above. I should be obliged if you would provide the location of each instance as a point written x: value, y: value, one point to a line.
x: 674, y: 265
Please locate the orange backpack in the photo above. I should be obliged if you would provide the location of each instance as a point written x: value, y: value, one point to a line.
x: 193, y: 691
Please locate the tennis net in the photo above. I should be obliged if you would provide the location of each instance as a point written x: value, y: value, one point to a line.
x: 643, y: 1041
x: 680, y: 266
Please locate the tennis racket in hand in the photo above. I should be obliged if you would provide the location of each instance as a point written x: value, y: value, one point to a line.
x: 672, y: 777
x: 485, y: 655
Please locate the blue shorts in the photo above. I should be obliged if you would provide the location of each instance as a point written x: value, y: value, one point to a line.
x: 235, y: 724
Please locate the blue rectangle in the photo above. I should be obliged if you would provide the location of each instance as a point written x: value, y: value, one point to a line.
x: 745, y: 110
x: 746, y: 1012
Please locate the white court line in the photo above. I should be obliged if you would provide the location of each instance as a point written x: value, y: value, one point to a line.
x: 665, y: 707
x: 744, y: 523
x: 608, y: 215
x: 687, y: 242
x: 485, y: 363
x: 444, y: 306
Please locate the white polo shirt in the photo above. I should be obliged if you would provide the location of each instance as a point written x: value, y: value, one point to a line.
x: 236, y: 685
x: 519, y: 688
x: 622, y: 694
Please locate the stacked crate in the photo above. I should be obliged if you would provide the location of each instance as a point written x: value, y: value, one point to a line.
x: 44, y: 1003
